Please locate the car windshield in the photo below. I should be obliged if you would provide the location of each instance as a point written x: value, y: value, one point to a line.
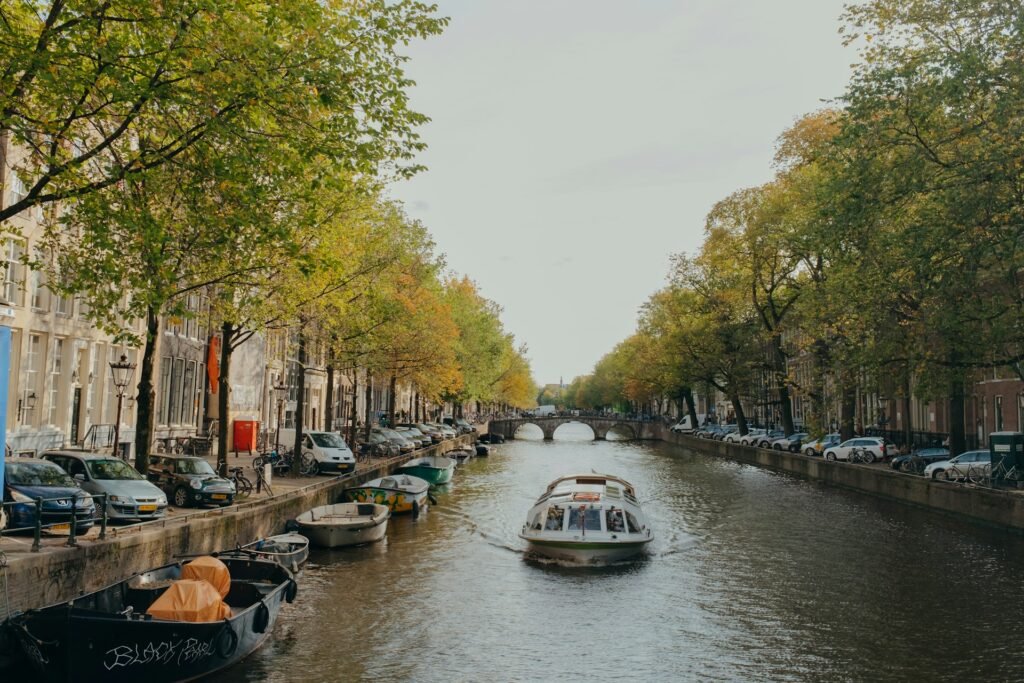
x: 392, y: 434
x: 111, y: 469
x: 190, y: 466
x: 37, y: 474
x: 328, y: 440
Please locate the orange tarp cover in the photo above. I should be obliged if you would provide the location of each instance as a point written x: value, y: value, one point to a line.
x: 209, y: 569
x: 190, y: 601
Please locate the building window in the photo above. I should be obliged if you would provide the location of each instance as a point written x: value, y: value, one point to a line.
x: 163, y: 413
x: 56, y: 363
x: 177, y: 372
x: 14, y: 278
x: 62, y: 305
x: 188, y: 400
x: 18, y: 189
x: 40, y: 293
x: 29, y: 395
x: 998, y: 405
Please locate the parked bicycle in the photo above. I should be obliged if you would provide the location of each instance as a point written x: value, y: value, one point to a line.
x: 282, y: 462
x: 243, y: 487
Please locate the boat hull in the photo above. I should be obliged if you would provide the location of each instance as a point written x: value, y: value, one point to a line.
x: 586, y: 552
x: 435, y: 476
x: 397, y: 501
x: 326, y: 536
x: 70, y: 644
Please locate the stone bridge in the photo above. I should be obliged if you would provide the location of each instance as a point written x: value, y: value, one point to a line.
x: 631, y: 429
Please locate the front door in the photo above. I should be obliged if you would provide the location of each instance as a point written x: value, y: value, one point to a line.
x: 76, y: 414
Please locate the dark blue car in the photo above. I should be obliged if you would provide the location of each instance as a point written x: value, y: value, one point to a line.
x: 26, y: 480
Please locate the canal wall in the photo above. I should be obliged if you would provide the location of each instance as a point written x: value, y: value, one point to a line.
x: 59, y: 574
x: 1003, y: 509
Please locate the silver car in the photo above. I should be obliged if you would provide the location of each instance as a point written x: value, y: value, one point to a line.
x: 968, y: 465
x: 129, y: 494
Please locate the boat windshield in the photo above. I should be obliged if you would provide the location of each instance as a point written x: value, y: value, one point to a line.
x: 112, y: 469
x: 328, y: 440
x: 555, y: 519
x: 634, y: 526
x: 586, y: 519
x: 614, y: 520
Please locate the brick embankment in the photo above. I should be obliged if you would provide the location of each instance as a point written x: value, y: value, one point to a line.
x: 1002, y: 509
x: 59, y: 573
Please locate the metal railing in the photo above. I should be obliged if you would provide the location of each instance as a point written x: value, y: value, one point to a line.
x: 99, y: 502
x: 919, y: 439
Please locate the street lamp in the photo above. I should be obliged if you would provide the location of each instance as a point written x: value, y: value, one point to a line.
x: 121, y: 372
x: 280, y: 390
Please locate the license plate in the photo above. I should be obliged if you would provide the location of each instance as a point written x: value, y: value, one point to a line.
x: 219, y: 496
x: 147, y: 508
x: 61, y: 527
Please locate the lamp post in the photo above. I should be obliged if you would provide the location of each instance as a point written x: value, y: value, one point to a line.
x: 280, y: 390
x: 121, y: 372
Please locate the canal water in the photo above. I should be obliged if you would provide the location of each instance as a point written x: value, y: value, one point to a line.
x: 753, y: 575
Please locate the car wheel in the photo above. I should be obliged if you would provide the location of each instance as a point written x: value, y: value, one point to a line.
x: 951, y: 475
x: 830, y: 456
x: 776, y: 447
x: 181, y: 497
x: 809, y: 452
x: 869, y: 456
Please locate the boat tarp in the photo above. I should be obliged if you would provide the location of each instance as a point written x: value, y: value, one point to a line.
x: 211, y: 570
x: 189, y: 600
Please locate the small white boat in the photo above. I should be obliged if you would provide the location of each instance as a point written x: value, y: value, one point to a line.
x: 460, y: 455
x: 587, y: 518
x: 288, y: 550
x: 341, y: 524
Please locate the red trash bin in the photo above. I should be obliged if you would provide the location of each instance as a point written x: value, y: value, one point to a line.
x: 244, y: 435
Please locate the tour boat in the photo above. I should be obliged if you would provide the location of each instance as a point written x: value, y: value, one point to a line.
x: 400, y: 492
x: 587, y: 518
x: 342, y: 524
x: 179, y: 622
x: 434, y: 469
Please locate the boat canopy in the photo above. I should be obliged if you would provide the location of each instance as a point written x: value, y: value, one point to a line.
x: 190, y: 600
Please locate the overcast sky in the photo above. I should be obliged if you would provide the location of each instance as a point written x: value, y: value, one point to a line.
x: 576, y: 144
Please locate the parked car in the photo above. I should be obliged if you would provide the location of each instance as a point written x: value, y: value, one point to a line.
x: 765, y: 440
x: 817, y: 446
x: 447, y: 431
x: 874, y: 446
x: 404, y: 444
x: 189, y: 480
x: 918, y: 460
x: 751, y: 437
x: 724, y: 431
x: 416, y: 436
x: 685, y: 426
x: 790, y: 443
x: 129, y: 495
x: 379, y: 445
x: 329, y: 449
x: 430, y: 431
x: 963, y: 466
x: 464, y: 427
x: 64, y: 502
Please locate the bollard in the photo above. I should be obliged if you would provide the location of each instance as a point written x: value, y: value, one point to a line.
x: 73, y: 526
x: 103, y: 518
x: 38, y: 540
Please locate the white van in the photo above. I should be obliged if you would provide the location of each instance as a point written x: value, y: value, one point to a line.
x: 684, y: 425
x: 331, y: 452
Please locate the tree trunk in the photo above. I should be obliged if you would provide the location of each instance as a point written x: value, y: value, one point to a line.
x: 847, y: 410
x: 691, y: 408
x: 391, y: 401
x: 227, y: 335
x: 300, y: 402
x: 957, y: 433
x: 145, y: 416
x: 354, y: 417
x: 369, y: 405
x: 329, y: 400
x: 741, y: 418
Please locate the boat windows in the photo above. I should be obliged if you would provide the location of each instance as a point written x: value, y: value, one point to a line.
x: 614, y: 521
x: 584, y: 518
x: 555, y: 519
x: 634, y: 526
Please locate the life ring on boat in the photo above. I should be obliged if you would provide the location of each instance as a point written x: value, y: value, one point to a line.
x: 291, y: 591
x: 262, y: 618
x: 226, y: 641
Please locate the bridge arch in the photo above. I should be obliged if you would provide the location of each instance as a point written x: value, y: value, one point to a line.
x: 574, y: 424
x: 528, y: 431
x: 621, y: 431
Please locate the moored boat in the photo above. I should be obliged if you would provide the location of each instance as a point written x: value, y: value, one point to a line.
x: 165, y: 625
x: 433, y: 469
x: 288, y: 550
x: 344, y: 524
x: 400, y: 492
x: 587, y: 518
x: 461, y: 455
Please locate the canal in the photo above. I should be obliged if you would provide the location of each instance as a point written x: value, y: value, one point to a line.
x: 753, y: 576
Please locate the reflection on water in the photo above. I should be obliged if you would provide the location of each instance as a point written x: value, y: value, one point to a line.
x: 752, y: 575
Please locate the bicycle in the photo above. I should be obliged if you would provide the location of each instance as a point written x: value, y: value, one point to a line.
x: 261, y: 482
x: 862, y: 455
x: 243, y: 487
x: 283, y: 462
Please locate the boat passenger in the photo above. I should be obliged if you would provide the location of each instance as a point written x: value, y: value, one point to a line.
x: 576, y: 519
x: 554, y: 522
x: 615, y: 520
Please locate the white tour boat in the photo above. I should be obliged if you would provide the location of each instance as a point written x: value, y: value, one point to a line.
x: 587, y: 518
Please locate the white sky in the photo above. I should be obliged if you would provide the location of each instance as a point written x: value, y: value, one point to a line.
x: 576, y: 144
